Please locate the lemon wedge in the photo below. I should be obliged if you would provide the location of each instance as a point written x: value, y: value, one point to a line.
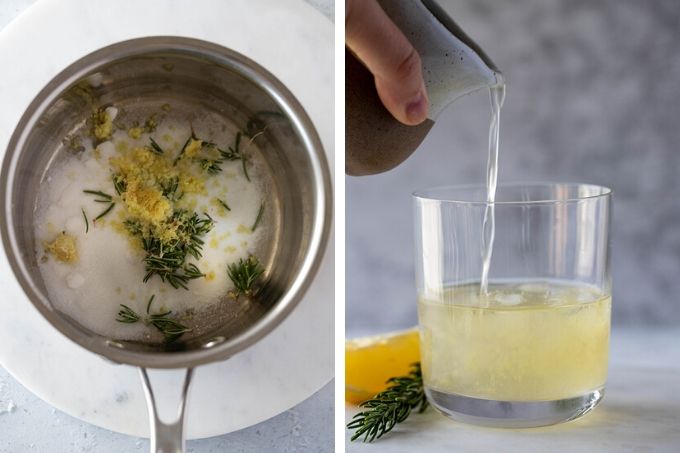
x: 371, y: 361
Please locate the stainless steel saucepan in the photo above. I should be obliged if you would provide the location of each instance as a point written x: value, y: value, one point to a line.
x: 194, y: 76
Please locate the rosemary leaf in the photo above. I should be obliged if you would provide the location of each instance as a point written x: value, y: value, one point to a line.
x: 87, y: 224
x: 258, y: 218
x: 224, y: 204
x: 106, y: 211
x: 245, y: 168
x: 106, y: 197
x: 181, y: 153
x: 148, y: 305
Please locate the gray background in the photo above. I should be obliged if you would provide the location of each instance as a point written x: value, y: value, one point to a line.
x: 593, y: 95
x: 27, y: 424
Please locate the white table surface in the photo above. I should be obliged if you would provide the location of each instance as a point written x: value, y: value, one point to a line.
x: 640, y: 411
x: 27, y: 424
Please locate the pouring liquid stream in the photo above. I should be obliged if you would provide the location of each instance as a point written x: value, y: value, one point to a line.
x: 497, y: 95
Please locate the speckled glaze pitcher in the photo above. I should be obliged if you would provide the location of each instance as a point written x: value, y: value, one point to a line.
x: 453, y: 65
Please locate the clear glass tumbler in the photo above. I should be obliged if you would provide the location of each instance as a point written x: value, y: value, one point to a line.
x: 530, y: 349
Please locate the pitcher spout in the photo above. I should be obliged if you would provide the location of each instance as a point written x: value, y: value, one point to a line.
x: 453, y: 64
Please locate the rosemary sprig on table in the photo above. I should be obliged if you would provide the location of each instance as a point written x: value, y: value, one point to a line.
x: 170, y: 328
x: 390, y: 407
x: 243, y: 275
x: 103, y: 198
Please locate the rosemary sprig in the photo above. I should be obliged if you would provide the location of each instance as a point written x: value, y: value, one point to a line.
x: 391, y: 406
x: 224, y: 204
x: 127, y: 315
x: 167, y: 259
x: 192, y: 271
x: 87, y: 224
x: 243, y: 275
x: 103, y: 198
x: 170, y: 328
x: 258, y: 218
x: 155, y: 147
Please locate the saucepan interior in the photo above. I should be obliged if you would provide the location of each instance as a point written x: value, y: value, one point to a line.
x: 193, y: 76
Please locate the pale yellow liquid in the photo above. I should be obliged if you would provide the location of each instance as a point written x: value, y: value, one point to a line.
x: 530, y: 342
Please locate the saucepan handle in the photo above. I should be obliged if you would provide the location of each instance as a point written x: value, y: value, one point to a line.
x: 166, y: 437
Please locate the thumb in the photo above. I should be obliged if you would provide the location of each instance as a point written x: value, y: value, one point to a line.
x: 390, y: 57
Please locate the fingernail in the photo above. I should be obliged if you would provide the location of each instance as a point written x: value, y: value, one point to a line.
x: 416, y: 110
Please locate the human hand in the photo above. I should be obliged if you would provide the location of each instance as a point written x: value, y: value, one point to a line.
x: 390, y: 57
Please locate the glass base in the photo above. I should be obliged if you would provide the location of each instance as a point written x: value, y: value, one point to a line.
x: 512, y: 414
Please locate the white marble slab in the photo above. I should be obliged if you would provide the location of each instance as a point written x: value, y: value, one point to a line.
x: 295, y: 43
x: 640, y: 412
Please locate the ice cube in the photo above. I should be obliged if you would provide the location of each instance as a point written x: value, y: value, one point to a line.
x: 535, y: 288
x: 508, y: 299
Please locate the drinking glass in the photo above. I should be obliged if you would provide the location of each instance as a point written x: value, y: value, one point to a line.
x: 530, y: 349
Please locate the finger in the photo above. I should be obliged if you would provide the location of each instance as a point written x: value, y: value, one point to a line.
x: 390, y: 57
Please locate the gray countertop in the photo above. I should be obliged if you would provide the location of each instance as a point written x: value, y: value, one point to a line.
x: 27, y: 424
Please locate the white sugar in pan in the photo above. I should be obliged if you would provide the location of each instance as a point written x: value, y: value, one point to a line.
x: 109, y: 268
